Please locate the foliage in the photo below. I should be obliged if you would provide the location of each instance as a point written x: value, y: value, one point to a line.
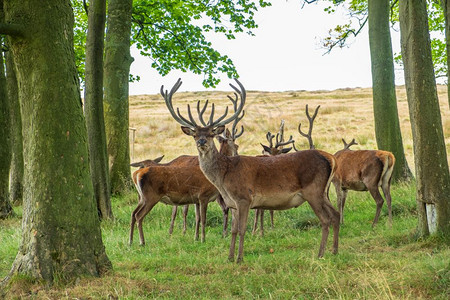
x: 341, y: 36
x: 79, y: 36
x: 172, y: 33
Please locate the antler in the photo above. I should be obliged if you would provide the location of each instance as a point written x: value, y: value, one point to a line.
x: 280, y: 143
x: 347, y: 146
x: 219, y: 122
x: 311, y: 122
x: 234, y: 131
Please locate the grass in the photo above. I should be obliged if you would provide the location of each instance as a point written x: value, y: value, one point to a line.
x: 373, y: 263
x: 379, y: 263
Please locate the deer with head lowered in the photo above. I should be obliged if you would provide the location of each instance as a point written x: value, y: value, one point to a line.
x: 359, y: 170
x: 180, y: 182
x: 272, y: 149
x: 268, y: 182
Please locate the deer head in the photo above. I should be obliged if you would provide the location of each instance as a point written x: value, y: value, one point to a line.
x: 204, y: 135
x: 279, y: 138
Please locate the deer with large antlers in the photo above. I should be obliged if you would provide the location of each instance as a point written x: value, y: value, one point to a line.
x: 181, y: 182
x: 359, y: 170
x: 272, y: 149
x: 268, y: 182
x: 364, y: 170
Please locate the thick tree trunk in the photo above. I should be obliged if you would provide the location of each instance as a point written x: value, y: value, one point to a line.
x: 446, y: 7
x: 93, y: 107
x: 432, y: 172
x: 16, y: 171
x: 60, y: 226
x: 5, y: 142
x: 387, y: 125
x: 117, y: 70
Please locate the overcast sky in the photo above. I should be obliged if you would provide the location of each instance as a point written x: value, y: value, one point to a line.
x: 285, y: 54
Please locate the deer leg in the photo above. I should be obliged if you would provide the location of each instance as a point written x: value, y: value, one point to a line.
x: 225, y: 210
x: 261, y: 217
x: 203, y: 208
x: 255, y: 221
x: 172, y: 220
x: 379, y: 200
x: 271, y: 218
x: 341, y: 196
x: 197, y: 220
x: 133, y: 220
x: 387, y: 194
x: 143, y: 211
x: 335, y: 221
x: 242, y: 225
x: 185, y: 213
x: 320, y: 209
x: 234, y: 231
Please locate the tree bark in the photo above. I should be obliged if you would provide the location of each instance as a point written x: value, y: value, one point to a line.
x: 60, y: 226
x: 446, y: 8
x: 16, y: 170
x: 5, y: 142
x: 432, y: 172
x: 117, y: 70
x: 93, y: 107
x: 387, y: 125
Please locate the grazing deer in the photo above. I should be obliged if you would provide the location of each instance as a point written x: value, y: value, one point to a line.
x: 267, y: 182
x: 360, y: 170
x: 364, y: 170
x: 181, y: 182
x: 271, y: 150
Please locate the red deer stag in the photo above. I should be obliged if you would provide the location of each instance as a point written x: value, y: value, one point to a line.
x: 360, y: 170
x: 180, y: 182
x: 267, y: 182
x: 271, y: 150
x: 364, y: 170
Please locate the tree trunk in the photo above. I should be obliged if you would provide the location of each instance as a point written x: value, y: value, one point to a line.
x: 60, y: 226
x: 16, y: 171
x: 445, y: 6
x: 117, y: 70
x: 93, y: 107
x: 432, y: 172
x: 5, y: 142
x: 387, y: 125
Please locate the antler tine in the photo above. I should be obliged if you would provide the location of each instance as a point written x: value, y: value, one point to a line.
x: 269, y: 138
x: 347, y: 146
x: 311, y: 122
x: 201, y: 112
x: 168, y: 100
x: 279, y: 144
x: 242, y: 93
x: 234, y: 131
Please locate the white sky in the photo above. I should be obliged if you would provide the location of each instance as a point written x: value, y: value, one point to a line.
x: 285, y: 54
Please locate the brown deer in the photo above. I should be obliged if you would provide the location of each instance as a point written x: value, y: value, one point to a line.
x: 364, y: 170
x: 180, y: 182
x: 267, y: 182
x: 271, y: 150
x: 359, y: 170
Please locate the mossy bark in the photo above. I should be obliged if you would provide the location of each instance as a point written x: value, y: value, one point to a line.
x: 5, y: 141
x: 432, y: 171
x: 446, y: 8
x: 93, y: 107
x: 61, y: 235
x: 387, y: 125
x: 16, y: 170
x: 117, y: 70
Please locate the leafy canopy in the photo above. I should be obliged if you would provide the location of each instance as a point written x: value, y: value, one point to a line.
x: 172, y: 33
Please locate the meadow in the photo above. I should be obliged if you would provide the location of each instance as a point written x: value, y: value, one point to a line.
x: 373, y: 263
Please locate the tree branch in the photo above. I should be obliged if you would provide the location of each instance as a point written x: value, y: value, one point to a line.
x: 12, y: 30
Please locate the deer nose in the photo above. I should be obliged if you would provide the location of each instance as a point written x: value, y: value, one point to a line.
x: 201, y: 142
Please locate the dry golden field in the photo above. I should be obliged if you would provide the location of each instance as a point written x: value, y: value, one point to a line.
x: 344, y: 113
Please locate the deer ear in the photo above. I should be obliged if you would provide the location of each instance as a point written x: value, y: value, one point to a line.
x: 157, y: 160
x: 219, y: 130
x: 220, y: 139
x: 227, y: 133
x: 187, y: 130
x: 286, y: 150
x: 266, y: 149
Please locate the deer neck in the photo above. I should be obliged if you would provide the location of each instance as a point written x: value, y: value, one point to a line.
x: 213, y: 164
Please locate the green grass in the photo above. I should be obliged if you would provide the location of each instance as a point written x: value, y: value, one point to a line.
x: 379, y: 263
